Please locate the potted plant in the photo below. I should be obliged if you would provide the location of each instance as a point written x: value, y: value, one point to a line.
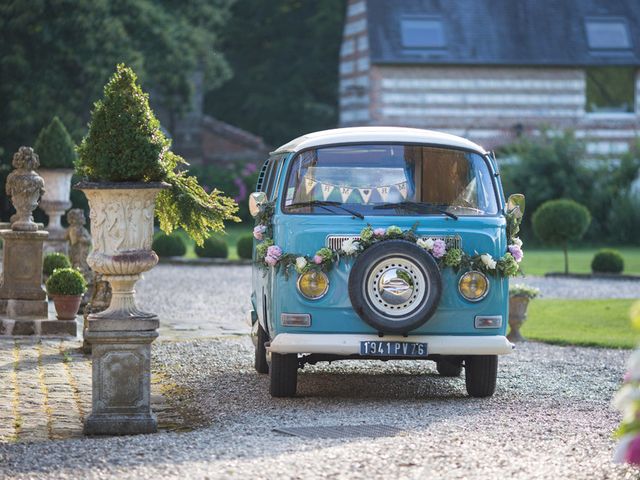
x: 57, y: 156
x: 52, y: 261
x: 519, y: 297
x: 126, y: 163
x: 65, y: 287
x: 129, y: 175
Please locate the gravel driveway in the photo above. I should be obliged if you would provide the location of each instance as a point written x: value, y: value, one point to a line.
x: 549, y: 419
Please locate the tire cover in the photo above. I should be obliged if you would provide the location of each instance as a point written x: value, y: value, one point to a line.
x: 395, y: 286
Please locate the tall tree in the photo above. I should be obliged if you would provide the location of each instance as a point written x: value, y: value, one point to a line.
x: 55, y: 55
x: 284, y: 54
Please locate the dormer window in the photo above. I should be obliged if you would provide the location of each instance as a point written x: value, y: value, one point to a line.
x: 607, y: 33
x: 424, y: 32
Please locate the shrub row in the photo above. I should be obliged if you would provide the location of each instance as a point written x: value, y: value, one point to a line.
x: 175, y: 245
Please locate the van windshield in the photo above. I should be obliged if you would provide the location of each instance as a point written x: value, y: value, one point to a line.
x: 365, y: 178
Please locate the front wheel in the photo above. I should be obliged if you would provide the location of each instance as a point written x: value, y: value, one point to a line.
x: 260, y: 361
x: 480, y: 375
x: 284, y: 374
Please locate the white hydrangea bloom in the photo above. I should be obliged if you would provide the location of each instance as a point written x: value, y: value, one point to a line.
x: 426, y: 243
x: 517, y: 242
x: 488, y: 261
x: 301, y: 262
x: 350, y: 246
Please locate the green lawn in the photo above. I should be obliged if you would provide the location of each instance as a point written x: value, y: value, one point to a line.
x: 540, y: 261
x: 233, y: 232
x: 600, y: 323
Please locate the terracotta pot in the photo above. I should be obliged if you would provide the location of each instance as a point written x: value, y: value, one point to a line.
x: 517, y: 315
x: 56, y: 198
x: 122, y: 233
x: 67, y: 306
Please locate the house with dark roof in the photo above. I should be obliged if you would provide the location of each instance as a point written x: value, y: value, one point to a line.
x: 491, y: 70
x: 204, y: 140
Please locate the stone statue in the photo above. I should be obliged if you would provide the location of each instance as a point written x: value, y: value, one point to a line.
x: 25, y: 187
x: 99, y: 301
x: 79, y: 240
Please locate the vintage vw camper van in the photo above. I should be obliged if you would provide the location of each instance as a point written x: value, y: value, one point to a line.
x: 382, y: 243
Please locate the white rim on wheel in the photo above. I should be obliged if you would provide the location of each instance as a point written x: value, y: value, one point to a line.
x: 396, y: 286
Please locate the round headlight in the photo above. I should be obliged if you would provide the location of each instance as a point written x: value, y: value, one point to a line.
x: 473, y: 286
x: 313, y: 285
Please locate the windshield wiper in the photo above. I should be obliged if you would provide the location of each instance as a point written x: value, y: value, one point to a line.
x: 324, y: 204
x: 416, y: 207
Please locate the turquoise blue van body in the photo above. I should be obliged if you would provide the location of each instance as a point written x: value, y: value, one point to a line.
x: 273, y: 294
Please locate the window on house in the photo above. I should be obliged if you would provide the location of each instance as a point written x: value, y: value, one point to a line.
x: 610, y: 89
x: 422, y: 32
x: 608, y: 34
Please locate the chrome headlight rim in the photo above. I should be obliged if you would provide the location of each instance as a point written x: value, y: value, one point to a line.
x: 486, y: 292
x: 324, y: 292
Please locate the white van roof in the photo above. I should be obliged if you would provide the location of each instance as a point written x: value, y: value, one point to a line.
x: 377, y: 135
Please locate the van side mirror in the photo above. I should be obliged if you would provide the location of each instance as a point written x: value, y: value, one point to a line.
x: 516, y: 205
x: 256, y: 202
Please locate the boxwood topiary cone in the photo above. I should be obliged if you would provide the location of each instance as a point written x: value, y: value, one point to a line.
x: 54, y: 146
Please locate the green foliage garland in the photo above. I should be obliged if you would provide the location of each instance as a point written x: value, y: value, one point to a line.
x: 445, y: 254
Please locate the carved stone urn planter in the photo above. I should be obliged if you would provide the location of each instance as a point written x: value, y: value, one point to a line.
x: 517, y: 315
x: 55, y: 202
x: 122, y: 230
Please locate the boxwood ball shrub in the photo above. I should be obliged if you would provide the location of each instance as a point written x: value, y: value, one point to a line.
x: 125, y: 144
x: 55, y: 147
x: 213, y: 247
x: 559, y: 222
x: 66, y: 281
x: 53, y: 261
x: 245, y: 247
x: 607, y: 261
x: 172, y: 245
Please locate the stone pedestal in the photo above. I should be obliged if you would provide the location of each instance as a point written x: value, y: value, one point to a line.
x: 121, y: 355
x: 517, y: 315
x: 22, y: 274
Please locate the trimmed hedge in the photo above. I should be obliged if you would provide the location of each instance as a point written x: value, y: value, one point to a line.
x: 213, y: 247
x: 607, y: 261
x: 169, y: 245
x: 245, y: 247
x: 53, y: 261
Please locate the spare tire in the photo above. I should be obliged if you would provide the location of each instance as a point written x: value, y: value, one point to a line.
x: 395, y: 286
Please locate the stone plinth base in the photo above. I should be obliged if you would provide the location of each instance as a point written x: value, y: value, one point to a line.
x: 27, y: 308
x: 121, y: 424
x: 121, y: 365
x: 39, y: 327
x: 22, y: 268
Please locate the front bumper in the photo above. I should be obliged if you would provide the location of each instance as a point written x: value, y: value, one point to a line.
x: 339, y: 344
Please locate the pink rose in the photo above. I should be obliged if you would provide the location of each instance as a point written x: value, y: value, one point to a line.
x: 317, y: 259
x: 633, y: 452
x: 516, y: 252
x: 271, y: 261
x: 439, y: 248
x: 258, y: 231
x: 275, y: 252
x: 379, y: 232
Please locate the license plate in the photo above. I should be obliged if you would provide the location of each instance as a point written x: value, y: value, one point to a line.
x: 381, y: 348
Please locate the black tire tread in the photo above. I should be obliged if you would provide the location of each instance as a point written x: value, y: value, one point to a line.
x: 284, y: 374
x: 260, y: 362
x: 480, y: 375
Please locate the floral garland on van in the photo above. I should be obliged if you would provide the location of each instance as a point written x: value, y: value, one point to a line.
x: 269, y: 254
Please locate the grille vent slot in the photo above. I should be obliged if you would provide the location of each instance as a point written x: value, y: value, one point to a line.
x: 334, y: 242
